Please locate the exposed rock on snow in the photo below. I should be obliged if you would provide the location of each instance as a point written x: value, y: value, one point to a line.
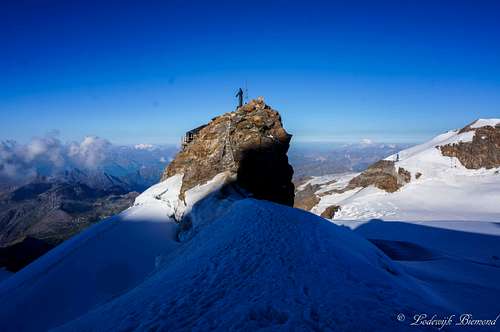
x: 452, y: 177
x: 306, y: 198
x: 236, y: 155
x: 482, y: 151
x: 484, y: 123
x: 250, y: 143
x: 330, y: 211
x: 382, y: 175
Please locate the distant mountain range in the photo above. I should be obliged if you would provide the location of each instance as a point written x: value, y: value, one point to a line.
x: 316, y: 159
x: 43, y: 209
x: 139, y: 166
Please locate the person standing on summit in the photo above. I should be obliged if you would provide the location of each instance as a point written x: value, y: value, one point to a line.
x: 240, y: 97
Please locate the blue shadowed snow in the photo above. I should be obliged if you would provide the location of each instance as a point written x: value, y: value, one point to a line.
x: 267, y: 266
x: 89, y: 269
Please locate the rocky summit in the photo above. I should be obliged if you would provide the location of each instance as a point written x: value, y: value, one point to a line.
x: 249, y: 143
x: 482, y: 151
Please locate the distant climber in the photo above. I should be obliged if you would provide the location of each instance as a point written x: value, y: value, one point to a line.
x: 240, y: 97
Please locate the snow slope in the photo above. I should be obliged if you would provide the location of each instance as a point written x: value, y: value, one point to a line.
x: 485, y: 122
x: 108, y: 258
x: 91, y: 268
x: 446, y: 190
x: 244, y: 264
x: 267, y: 266
x: 167, y: 193
x: 459, y: 260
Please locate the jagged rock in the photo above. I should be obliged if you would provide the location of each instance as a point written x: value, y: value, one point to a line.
x: 418, y: 175
x: 382, y: 175
x: 482, y: 151
x: 306, y: 198
x: 250, y: 143
x: 330, y: 211
x: 403, y: 175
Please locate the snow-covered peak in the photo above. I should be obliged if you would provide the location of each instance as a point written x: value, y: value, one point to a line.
x: 479, y: 123
x: 454, y: 176
x: 418, y: 151
x: 447, y: 138
x: 432, y: 158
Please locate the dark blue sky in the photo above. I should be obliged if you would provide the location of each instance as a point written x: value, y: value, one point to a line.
x: 146, y: 71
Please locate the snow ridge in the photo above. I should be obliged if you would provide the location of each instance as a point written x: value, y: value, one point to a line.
x: 485, y: 122
x: 267, y: 266
x: 441, y: 188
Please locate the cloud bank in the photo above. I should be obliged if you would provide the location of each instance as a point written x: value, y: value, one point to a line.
x: 47, y: 155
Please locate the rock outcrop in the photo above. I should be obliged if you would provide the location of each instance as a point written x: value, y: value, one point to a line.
x: 249, y: 143
x: 382, y: 175
x: 426, y: 166
x: 330, y: 211
x: 306, y: 198
x: 482, y: 151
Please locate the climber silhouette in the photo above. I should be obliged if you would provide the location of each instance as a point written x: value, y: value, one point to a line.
x: 240, y: 97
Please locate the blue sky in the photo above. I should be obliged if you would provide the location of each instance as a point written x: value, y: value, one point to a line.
x: 146, y: 71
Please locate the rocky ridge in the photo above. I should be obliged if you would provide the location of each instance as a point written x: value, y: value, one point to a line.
x: 482, y: 151
x: 473, y: 150
x: 383, y: 175
x: 250, y: 144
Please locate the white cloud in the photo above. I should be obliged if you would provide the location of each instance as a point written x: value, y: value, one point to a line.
x: 143, y: 146
x: 90, y: 152
x: 366, y: 141
x: 48, y: 154
x: 48, y: 148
